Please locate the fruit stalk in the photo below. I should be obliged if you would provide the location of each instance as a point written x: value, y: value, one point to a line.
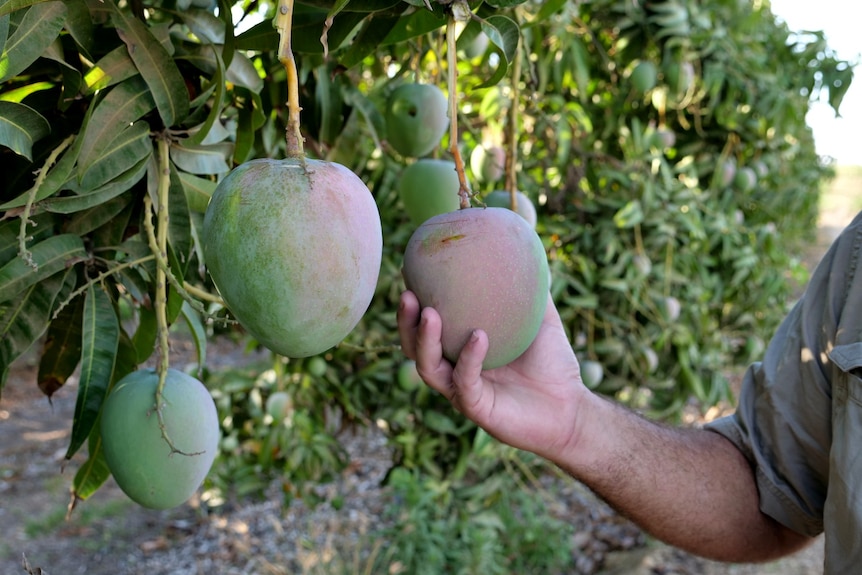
x: 283, y: 22
x: 463, y: 188
x: 161, y: 302
x: 512, y: 134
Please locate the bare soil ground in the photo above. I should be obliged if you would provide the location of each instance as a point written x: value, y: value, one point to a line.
x: 109, y: 535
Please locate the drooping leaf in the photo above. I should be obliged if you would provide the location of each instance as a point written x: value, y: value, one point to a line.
x: 4, y: 31
x: 178, y: 221
x: 61, y: 352
x: 94, y: 471
x: 377, y: 26
x: 156, y: 66
x: 101, y: 335
x: 129, y: 148
x: 50, y: 256
x: 144, y: 339
x: 416, y: 24
x: 9, y: 6
x: 38, y: 29
x: 20, y: 127
x: 199, y: 334
x: 79, y: 23
x: 208, y: 27
x: 25, y: 318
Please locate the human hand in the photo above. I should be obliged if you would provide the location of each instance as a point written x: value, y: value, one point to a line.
x: 531, y: 403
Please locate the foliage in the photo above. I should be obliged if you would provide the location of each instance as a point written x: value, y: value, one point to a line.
x: 667, y: 269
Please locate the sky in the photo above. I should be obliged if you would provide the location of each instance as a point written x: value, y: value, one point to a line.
x: 836, y: 137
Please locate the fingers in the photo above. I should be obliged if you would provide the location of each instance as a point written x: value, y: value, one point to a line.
x: 466, y: 378
x: 408, y: 321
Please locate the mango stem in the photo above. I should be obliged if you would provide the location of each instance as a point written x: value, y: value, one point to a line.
x: 464, y: 192
x: 512, y: 135
x: 283, y: 23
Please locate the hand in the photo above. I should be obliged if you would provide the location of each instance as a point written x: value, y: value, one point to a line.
x: 531, y: 403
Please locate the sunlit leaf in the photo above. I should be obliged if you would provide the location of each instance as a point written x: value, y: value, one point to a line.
x: 38, y: 29
x: 20, y: 127
x: 101, y: 335
x: 112, y: 68
x: 50, y: 256
x: 156, y: 66
x: 416, y: 24
x: 504, y: 35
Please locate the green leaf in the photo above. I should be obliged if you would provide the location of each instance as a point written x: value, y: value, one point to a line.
x: 198, y: 191
x: 4, y: 31
x: 629, y: 215
x: 503, y: 4
x: 20, y: 127
x: 43, y: 227
x: 79, y: 23
x: 61, y: 353
x: 50, y: 256
x: 101, y: 336
x: 92, y: 199
x: 84, y: 222
x: 368, y: 38
x: 156, y: 66
x: 199, y: 334
x: 217, y: 102
x: 201, y: 160
x: 124, y: 104
x: 416, y: 24
x: 208, y: 27
x: 179, y: 234
x: 38, y: 29
x: 9, y: 6
x: 112, y: 68
x: 25, y: 318
x: 130, y: 147
x: 144, y: 340
x: 504, y: 35
x: 94, y: 472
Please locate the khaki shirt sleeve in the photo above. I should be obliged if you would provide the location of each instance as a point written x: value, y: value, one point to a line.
x: 783, y: 421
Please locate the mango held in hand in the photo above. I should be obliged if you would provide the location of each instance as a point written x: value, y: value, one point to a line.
x: 136, y: 453
x: 294, y: 248
x: 480, y: 268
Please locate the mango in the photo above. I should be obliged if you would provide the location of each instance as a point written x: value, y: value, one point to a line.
x: 416, y: 119
x: 523, y: 205
x: 428, y: 187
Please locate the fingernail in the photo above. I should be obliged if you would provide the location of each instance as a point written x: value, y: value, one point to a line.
x: 474, y: 336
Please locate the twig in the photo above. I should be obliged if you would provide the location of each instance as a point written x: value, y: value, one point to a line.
x: 293, y: 135
x: 452, y: 63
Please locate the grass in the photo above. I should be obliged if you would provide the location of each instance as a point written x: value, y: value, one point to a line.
x: 84, y: 515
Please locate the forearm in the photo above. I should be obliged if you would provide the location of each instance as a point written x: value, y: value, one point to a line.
x: 690, y: 488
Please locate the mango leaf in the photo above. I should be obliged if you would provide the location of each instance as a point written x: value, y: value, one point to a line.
x: 9, y: 6
x: 124, y: 104
x: 4, y: 31
x: 61, y: 352
x: 94, y: 471
x: 79, y: 23
x: 38, y: 29
x: 416, y: 24
x: 199, y: 334
x: 20, y: 127
x: 101, y: 335
x: 129, y: 148
x: 178, y: 221
x: 43, y: 227
x: 307, y: 28
x: 24, y: 319
x: 504, y: 35
x: 503, y: 4
x: 198, y: 191
x: 377, y: 26
x: 629, y: 215
x: 50, y: 256
x: 88, y: 200
x: 229, y: 43
x: 217, y: 102
x: 144, y: 340
x: 208, y: 27
x: 84, y: 222
x: 201, y: 160
x: 156, y: 66
x: 112, y: 68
